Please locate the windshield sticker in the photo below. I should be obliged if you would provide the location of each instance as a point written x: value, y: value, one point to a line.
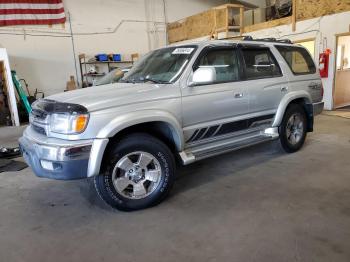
x: 183, y: 51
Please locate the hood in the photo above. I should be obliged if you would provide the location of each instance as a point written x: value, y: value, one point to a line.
x: 117, y: 94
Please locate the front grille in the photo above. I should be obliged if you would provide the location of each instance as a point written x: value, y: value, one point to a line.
x: 39, y: 115
x: 39, y: 120
x: 39, y: 129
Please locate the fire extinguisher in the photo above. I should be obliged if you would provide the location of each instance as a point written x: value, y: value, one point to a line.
x: 324, y: 63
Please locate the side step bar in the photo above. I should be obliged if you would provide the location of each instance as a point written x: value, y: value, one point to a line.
x: 200, y: 152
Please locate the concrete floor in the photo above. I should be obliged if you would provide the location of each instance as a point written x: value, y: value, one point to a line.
x: 257, y: 204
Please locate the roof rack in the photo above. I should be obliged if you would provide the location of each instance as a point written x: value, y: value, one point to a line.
x: 285, y: 41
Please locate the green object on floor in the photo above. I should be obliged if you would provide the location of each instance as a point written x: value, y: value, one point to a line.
x: 21, y: 92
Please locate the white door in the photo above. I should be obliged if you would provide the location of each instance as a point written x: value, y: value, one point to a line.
x: 207, y: 107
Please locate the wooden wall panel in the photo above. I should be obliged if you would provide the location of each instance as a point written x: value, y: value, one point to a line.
x: 200, y: 25
x: 203, y: 24
x: 221, y: 18
x: 307, y: 9
x: 176, y: 32
x: 268, y: 24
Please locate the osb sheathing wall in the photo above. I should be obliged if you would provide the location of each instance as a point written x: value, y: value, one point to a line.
x: 196, y: 26
x: 269, y: 24
x: 307, y: 9
x: 203, y: 24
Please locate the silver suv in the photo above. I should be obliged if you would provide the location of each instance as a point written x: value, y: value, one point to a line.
x: 177, y: 104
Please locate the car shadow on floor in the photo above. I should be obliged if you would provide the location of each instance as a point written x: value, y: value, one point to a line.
x: 205, y: 171
x: 228, y: 164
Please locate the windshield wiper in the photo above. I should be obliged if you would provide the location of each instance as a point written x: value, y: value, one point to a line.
x: 156, y: 81
x: 127, y: 81
x: 143, y: 79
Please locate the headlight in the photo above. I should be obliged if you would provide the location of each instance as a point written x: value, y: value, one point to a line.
x: 68, y: 124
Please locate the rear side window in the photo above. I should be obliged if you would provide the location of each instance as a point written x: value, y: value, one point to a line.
x: 260, y: 63
x: 298, y: 59
x: 224, y: 61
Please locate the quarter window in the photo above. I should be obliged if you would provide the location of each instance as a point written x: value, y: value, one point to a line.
x: 298, y: 59
x: 225, y: 63
x: 260, y: 63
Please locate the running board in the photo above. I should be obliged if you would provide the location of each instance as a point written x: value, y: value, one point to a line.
x: 200, y: 152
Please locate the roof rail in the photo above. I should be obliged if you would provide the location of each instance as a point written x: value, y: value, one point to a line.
x: 250, y: 38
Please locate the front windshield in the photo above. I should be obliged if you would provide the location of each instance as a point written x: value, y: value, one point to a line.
x: 161, y: 66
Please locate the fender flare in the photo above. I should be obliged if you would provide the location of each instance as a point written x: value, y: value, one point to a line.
x: 287, y: 99
x: 145, y: 116
x: 127, y: 120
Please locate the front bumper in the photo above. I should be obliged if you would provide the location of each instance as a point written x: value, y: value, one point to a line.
x: 318, y: 108
x: 53, y: 158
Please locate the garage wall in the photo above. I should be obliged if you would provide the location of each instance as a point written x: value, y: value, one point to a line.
x: 46, y: 62
x: 324, y: 29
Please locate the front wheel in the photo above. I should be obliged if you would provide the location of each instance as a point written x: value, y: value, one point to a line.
x: 292, y: 131
x: 139, y: 172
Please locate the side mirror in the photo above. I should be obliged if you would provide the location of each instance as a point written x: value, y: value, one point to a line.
x: 203, y: 75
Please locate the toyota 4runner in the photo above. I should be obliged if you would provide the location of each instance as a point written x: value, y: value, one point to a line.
x: 181, y: 103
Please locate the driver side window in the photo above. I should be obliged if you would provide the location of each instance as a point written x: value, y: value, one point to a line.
x: 225, y: 63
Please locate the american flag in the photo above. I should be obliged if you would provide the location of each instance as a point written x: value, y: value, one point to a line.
x: 31, y: 12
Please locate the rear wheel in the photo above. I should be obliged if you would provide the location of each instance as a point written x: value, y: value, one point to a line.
x: 139, y: 173
x: 293, y: 128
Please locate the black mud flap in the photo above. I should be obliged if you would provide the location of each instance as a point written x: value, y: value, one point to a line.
x: 310, y: 117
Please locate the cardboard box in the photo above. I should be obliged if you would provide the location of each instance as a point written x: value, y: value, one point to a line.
x: 71, y: 84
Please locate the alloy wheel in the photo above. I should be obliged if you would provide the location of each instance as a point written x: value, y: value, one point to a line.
x: 295, y: 128
x: 136, y: 175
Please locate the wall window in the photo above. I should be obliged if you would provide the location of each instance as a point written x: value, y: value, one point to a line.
x: 309, y: 45
x: 260, y: 63
x: 298, y: 59
x: 225, y: 63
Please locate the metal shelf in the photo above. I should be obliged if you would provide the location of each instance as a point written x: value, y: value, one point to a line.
x: 86, y: 77
x: 106, y: 62
x: 95, y: 75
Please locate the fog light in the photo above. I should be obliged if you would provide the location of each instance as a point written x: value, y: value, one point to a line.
x: 47, y: 165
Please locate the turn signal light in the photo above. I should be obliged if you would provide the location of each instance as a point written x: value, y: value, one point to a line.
x: 80, y: 123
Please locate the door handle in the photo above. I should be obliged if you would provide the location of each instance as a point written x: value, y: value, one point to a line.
x: 238, y: 95
x: 284, y: 88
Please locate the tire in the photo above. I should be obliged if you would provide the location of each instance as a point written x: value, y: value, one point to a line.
x: 138, y: 173
x: 293, y: 132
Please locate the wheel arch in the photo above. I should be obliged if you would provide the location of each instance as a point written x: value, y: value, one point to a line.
x: 302, y: 98
x: 145, y: 118
x: 159, y: 129
x: 161, y: 125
